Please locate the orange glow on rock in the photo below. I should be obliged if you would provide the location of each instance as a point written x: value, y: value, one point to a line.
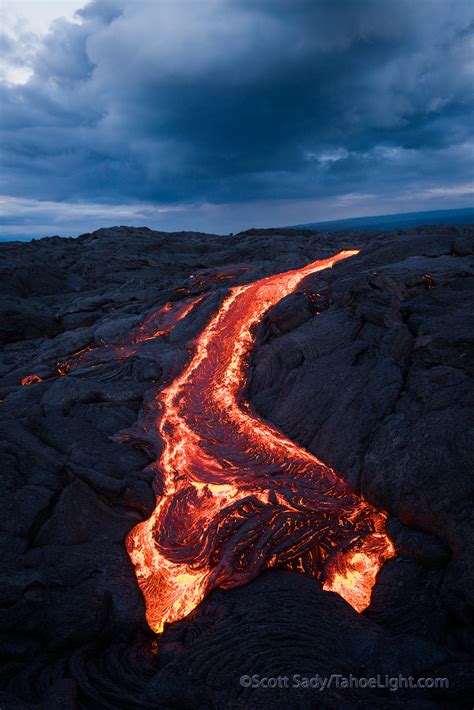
x: 30, y: 380
x: 163, y: 322
x: 237, y: 495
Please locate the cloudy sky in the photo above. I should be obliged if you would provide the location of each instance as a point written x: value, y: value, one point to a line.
x: 219, y: 115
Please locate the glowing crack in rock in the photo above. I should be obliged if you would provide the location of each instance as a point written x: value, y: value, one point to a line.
x: 155, y: 326
x: 158, y: 324
x: 30, y: 380
x: 237, y: 495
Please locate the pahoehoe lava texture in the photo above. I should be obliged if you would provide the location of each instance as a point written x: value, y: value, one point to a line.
x: 368, y: 365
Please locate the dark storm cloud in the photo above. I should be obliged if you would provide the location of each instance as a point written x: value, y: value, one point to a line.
x: 234, y: 100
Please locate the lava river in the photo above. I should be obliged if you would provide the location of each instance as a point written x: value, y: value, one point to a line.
x: 237, y: 495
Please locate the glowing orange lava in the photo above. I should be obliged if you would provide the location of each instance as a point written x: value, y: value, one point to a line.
x: 30, y: 380
x: 239, y: 496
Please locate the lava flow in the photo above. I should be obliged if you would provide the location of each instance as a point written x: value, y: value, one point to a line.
x: 236, y: 495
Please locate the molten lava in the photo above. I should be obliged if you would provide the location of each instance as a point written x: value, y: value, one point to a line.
x: 237, y: 495
x: 30, y: 380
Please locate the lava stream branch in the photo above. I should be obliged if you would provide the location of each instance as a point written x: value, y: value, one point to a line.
x: 239, y: 496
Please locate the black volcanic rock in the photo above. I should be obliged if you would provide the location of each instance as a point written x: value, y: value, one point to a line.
x: 380, y: 386
x: 369, y: 366
x: 281, y: 625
